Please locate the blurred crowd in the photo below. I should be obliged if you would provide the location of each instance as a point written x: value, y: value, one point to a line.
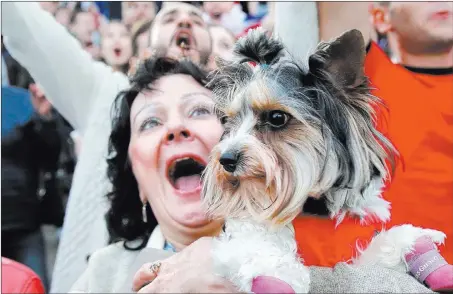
x: 41, y: 146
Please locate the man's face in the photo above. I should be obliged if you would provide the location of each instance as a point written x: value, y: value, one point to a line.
x: 180, y: 30
x: 422, y: 26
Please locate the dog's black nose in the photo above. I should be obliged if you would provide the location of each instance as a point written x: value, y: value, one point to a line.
x: 229, y: 161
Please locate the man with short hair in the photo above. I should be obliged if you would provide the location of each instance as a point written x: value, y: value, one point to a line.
x: 423, y: 31
x: 82, y: 90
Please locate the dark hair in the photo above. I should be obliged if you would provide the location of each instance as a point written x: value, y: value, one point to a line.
x: 145, y: 27
x: 124, y: 217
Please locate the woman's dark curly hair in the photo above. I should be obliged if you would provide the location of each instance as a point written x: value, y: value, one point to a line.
x: 124, y: 217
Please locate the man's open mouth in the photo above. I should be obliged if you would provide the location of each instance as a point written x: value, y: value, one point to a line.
x: 185, y: 173
x: 184, y: 39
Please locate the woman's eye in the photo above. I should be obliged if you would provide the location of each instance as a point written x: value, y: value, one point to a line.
x: 149, y: 124
x: 199, y: 112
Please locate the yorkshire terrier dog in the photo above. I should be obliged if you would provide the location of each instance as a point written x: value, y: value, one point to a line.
x: 293, y: 132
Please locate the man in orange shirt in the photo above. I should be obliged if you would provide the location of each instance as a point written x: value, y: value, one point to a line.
x: 419, y: 95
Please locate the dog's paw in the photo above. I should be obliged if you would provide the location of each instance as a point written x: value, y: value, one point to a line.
x: 389, y: 248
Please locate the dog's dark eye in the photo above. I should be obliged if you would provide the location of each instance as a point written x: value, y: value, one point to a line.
x: 223, y: 119
x: 277, y: 118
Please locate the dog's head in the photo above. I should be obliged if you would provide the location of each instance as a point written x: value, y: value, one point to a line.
x: 293, y: 132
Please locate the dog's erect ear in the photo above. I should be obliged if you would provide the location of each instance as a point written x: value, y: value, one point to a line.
x: 258, y: 47
x: 343, y: 59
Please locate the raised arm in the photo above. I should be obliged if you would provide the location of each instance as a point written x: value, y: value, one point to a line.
x: 336, y: 18
x: 301, y: 25
x: 68, y: 75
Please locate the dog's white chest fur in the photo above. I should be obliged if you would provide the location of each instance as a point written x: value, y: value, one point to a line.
x: 247, y: 250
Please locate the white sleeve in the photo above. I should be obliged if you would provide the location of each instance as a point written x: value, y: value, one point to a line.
x: 69, y: 76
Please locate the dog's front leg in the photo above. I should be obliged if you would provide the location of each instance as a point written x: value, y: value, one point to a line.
x: 246, y: 257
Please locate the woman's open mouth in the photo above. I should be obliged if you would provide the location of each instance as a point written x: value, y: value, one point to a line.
x: 184, y: 174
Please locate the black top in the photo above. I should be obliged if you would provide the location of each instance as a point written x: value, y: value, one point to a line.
x: 28, y: 150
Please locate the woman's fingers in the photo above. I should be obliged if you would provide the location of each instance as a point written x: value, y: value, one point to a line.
x: 151, y: 288
x: 143, y: 276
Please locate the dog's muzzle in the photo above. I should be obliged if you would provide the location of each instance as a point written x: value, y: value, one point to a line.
x: 229, y: 161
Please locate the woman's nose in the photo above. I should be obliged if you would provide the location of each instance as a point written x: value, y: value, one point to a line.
x: 178, y: 134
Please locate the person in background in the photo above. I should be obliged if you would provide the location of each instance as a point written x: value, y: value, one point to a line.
x: 83, y: 26
x: 82, y: 90
x: 63, y: 16
x: 116, y: 46
x: 18, y: 76
x: 29, y: 152
x: 179, y: 30
x: 226, y: 14
x: 140, y: 38
x: 135, y: 12
x: 223, y: 42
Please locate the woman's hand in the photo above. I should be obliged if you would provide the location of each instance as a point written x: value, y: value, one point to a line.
x: 189, y: 271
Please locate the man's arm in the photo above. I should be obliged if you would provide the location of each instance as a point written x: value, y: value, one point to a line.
x: 68, y: 75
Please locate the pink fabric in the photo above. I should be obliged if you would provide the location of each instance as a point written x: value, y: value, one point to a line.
x: 266, y: 284
x: 440, y: 278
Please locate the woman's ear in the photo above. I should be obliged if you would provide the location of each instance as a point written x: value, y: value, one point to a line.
x: 380, y: 18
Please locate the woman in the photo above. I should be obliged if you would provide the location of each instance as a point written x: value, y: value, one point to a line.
x: 116, y: 46
x: 160, y: 142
